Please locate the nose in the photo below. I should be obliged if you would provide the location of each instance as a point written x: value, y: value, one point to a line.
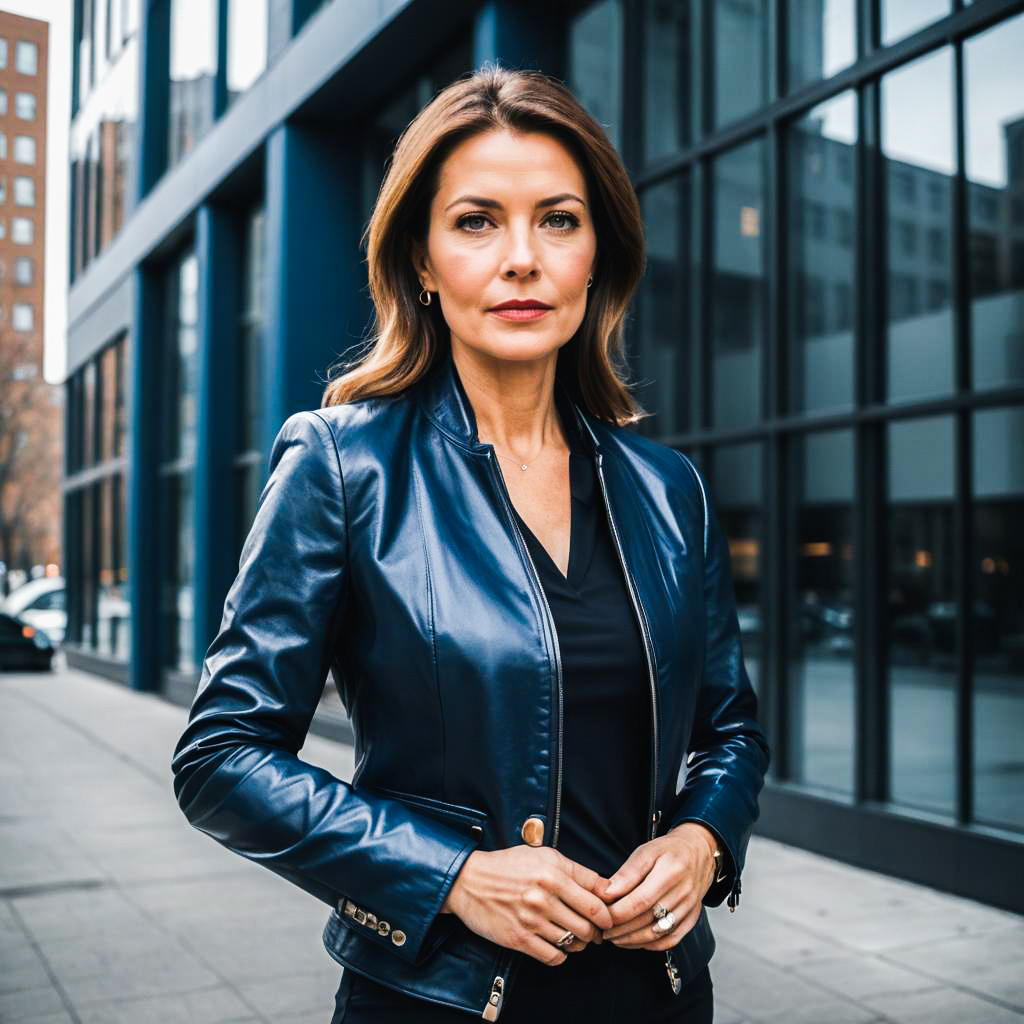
x: 520, y: 253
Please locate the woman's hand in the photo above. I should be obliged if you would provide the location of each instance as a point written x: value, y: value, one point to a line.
x: 526, y: 897
x: 675, y: 870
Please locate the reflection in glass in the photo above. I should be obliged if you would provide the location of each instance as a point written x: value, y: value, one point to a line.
x: 821, y: 216
x: 998, y: 626
x: 821, y: 676
x: 672, y: 83
x: 921, y: 613
x: 740, y: 33
x: 103, y: 153
x: 902, y: 17
x: 181, y: 363
x: 738, y: 307
x: 595, y: 63
x: 247, y: 44
x: 822, y: 39
x: 177, y: 589
x: 193, y: 64
x: 994, y: 146
x: 736, y: 493
x: 920, y: 160
x: 664, y: 355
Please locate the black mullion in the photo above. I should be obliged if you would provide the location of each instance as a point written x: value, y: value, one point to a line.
x: 870, y: 669
x: 776, y: 592
x: 962, y: 541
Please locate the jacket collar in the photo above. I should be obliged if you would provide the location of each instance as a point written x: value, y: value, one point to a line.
x: 443, y: 398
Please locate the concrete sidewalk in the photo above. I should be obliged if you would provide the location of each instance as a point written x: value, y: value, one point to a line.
x: 114, y: 910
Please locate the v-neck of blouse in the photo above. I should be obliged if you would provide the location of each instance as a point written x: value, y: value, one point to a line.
x: 581, y: 529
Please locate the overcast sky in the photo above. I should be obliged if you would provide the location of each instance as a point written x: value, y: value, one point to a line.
x: 58, y: 104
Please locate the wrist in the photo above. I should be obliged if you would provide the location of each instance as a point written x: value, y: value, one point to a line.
x: 710, y: 840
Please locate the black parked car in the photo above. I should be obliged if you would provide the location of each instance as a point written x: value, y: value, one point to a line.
x: 23, y: 646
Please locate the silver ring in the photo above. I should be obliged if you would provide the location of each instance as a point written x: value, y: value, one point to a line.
x: 566, y: 940
x: 659, y: 911
x: 665, y: 923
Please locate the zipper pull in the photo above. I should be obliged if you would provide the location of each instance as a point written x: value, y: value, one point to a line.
x: 734, y: 896
x: 493, y: 1007
x: 673, y: 974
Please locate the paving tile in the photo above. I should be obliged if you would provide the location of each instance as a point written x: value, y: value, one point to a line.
x: 24, y: 1003
x: 941, y: 1006
x: 856, y: 976
x: 206, y: 1006
x: 311, y: 992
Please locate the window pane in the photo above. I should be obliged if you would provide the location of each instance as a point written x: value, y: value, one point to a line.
x: 24, y: 149
x: 821, y: 218
x: 738, y: 307
x: 672, y: 92
x: 998, y: 627
x: 22, y: 316
x: 738, y: 498
x: 247, y: 44
x: 193, y: 64
x: 821, y: 676
x: 595, y: 63
x: 3, y: 101
x: 822, y: 39
x: 177, y: 586
x: 3, y: 53
x: 663, y: 353
x: 24, y: 191
x: 24, y: 106
x: 253, y: 326
x: 22, y: 230
x: 902, y: 17
x: 994, y: 113
x: 740, y: 33
x: 917, y: 138
x: 27, y: 57
x: 23, y: 271
x: 921, y: 613
x: 181, y: 364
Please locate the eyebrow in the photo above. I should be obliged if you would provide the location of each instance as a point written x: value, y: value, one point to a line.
x: 493, y: 204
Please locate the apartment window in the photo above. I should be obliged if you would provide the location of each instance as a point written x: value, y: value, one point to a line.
x: 24, y: 105
x: 24, y: 149
x: 3, y: 101
x: 3, y: 228
x: 3, y: 189
x: 21, y: 316
x: 22, y: 230
x: 3, y: 53
x: 24, y: 191
x: 24, y: 270
x: 3, y: 145
x: 26, y: 57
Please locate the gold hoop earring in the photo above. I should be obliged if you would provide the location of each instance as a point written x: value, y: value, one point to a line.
x: 590, y: 281
x: 422, y: 293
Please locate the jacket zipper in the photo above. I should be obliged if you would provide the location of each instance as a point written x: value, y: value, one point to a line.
x: 551, y: 628
x: 670, y: 968
x: 497, y: 994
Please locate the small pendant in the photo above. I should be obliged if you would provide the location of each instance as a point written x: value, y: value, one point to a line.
x: 523, y: 466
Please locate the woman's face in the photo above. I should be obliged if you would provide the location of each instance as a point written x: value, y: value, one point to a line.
x: 525, y: 233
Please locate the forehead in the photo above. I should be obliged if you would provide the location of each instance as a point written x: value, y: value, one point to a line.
x: 512, y: 163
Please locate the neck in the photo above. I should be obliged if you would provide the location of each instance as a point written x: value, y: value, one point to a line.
x: 513, y: 401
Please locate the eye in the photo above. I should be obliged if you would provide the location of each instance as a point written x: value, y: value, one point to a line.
x: 564, y: 215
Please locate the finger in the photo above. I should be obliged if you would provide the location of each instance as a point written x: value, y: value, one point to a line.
x: 577, y: 894
x: 648, y: 938
x: 635, y: 868
x: 552, y: 931
x: 659, y: 880
x: 546, y: 952
x: 675, y: 936
x: 671, y: 898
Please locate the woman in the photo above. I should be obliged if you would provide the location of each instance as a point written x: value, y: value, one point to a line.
x: 526, y: 607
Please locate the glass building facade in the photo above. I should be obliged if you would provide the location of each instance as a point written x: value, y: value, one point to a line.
x: 831, y: 325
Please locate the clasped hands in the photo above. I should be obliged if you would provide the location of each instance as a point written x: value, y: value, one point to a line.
x: 527, y: 898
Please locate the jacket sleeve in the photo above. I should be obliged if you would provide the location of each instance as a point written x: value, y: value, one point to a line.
x: 729, y: 752
x: 236, y: 771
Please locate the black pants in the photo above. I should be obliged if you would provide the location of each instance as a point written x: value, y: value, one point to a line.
x: 602, y: 984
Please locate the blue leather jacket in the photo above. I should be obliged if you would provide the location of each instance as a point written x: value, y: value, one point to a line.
x: 384, y: 550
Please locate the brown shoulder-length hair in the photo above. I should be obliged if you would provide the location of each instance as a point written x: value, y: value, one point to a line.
x: 407, y: 337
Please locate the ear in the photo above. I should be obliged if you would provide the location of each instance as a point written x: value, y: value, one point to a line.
x: 420, y: 265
